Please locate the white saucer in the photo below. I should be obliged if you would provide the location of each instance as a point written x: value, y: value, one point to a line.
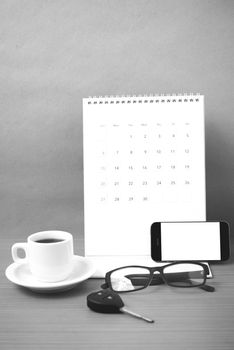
x: 20, y: 274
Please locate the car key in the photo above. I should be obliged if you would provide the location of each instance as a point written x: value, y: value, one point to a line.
x: 106, y: 301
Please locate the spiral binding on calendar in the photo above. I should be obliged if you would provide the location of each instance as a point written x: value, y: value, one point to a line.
x: 142, y: 99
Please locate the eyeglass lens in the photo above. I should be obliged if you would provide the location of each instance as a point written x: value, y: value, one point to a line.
x: 184, y: 275
x: 129, y: 279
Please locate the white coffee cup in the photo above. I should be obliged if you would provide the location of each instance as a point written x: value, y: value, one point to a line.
x: 48, y: 253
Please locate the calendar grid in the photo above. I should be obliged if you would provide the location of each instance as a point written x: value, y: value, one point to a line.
x: 144, y: 161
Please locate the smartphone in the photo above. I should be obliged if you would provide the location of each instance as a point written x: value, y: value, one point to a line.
x: 178, y: 241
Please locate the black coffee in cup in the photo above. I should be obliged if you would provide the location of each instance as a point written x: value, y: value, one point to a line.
x: 49, y: 240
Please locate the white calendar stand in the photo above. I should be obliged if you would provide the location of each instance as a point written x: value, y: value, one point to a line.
x: 144, y: 161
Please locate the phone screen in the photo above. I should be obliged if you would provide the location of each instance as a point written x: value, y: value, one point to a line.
x: 190, y: 241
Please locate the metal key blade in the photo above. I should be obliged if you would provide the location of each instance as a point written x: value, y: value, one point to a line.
x: 126, y: 311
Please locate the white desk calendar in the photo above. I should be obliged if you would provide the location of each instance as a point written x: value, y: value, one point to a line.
x: 144, y: 161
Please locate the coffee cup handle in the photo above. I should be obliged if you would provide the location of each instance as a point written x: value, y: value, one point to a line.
x: 14, y: 252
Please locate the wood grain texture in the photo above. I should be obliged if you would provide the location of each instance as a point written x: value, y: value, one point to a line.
x: 184, y: 319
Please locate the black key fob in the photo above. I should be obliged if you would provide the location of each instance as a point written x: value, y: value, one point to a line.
x: 105, y: 301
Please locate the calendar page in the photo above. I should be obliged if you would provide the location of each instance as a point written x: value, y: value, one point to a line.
x: 144, y: 161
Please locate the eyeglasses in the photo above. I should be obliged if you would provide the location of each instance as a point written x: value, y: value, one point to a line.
x: 179, y: 274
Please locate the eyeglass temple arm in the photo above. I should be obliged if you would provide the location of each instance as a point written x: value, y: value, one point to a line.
x: 156, y: 280
x: 138, y: 280
x: 104, y: 285
x: 207, y: 288
x: 141, y: 279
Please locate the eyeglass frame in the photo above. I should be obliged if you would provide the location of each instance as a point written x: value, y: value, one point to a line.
x: 159, y: 269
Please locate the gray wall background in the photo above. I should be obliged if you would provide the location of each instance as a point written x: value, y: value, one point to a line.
x: 54, y: 53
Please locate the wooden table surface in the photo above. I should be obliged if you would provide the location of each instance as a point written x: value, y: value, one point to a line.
x: 184, y: 319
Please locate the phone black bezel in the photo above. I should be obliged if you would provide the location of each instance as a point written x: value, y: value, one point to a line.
x: 224, y: 240
x: 156, y: 240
